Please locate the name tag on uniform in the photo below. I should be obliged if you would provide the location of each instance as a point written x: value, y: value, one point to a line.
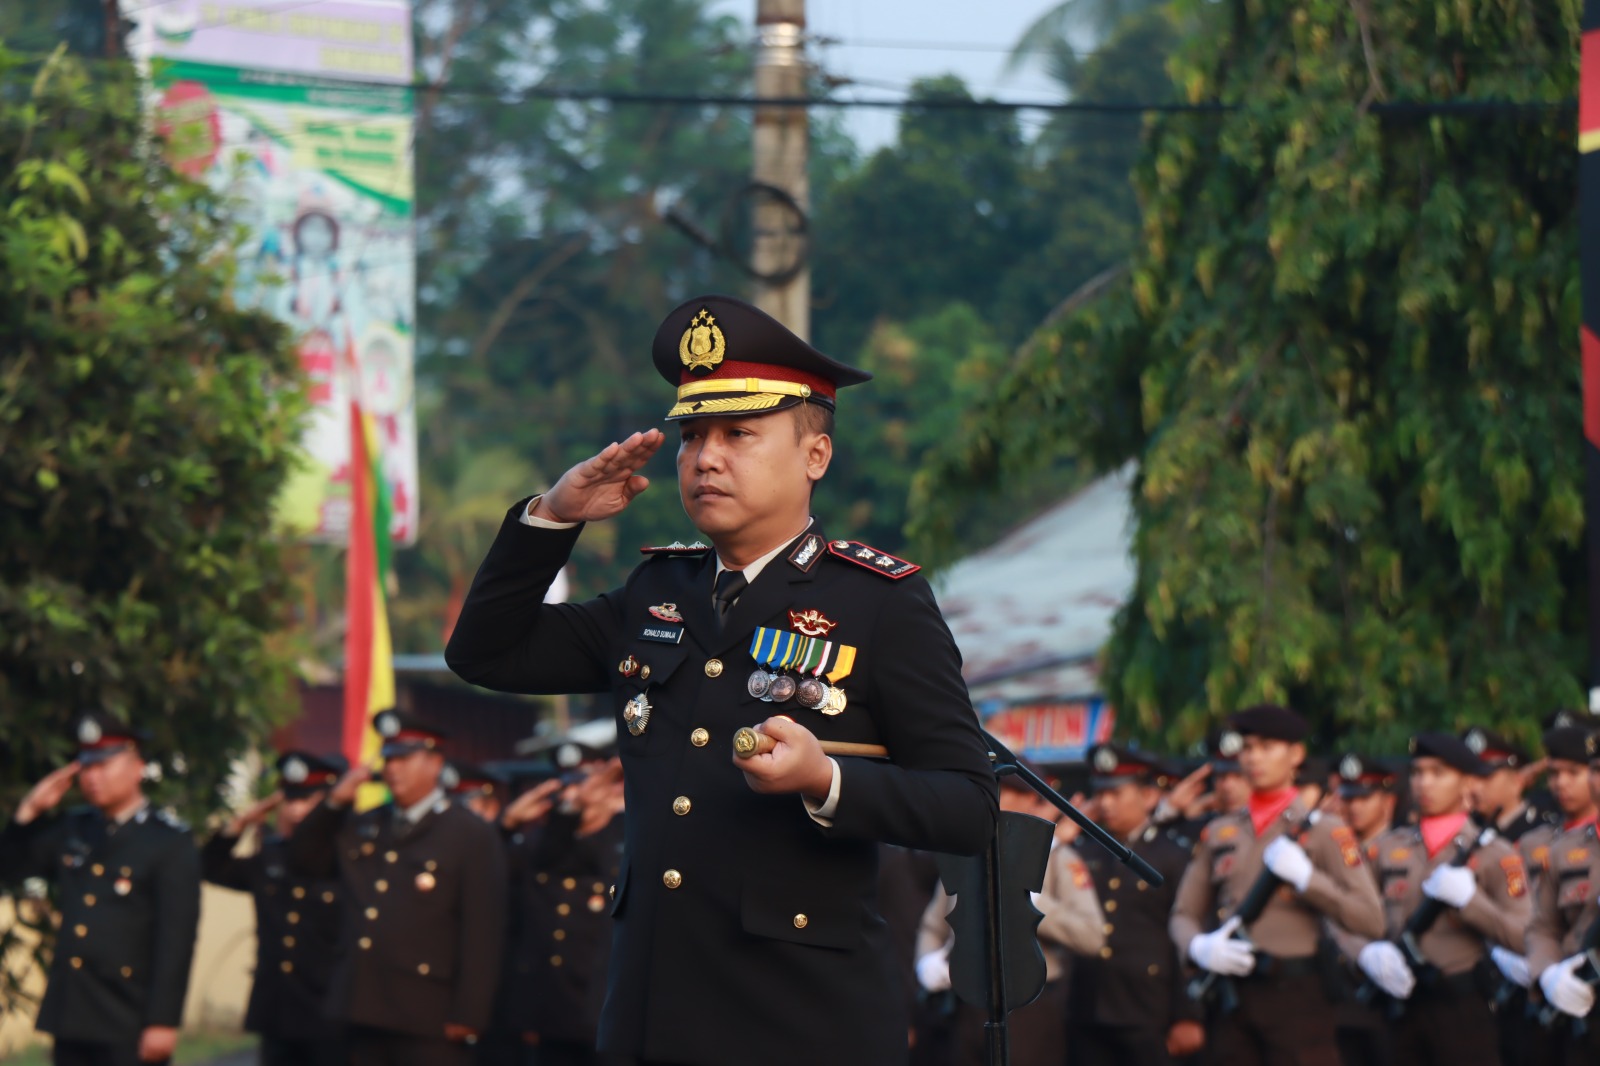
x: 662, y: 634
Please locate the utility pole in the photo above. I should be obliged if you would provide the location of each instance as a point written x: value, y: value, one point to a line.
x: 782, y: 137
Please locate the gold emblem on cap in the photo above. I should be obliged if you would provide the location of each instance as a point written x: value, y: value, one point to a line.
x: 702, y: 345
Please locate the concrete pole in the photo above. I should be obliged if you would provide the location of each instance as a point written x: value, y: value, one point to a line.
x: 782, y: 137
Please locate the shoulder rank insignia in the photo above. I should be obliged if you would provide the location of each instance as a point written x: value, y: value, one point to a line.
x: 677, y: 547
x: 871, y: 558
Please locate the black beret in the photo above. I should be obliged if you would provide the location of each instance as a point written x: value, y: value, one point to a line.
x: 728, y: 357
x: 1571, y: 744
x: 1496, y: 749
x: 1270, y: 722
x: 405, y: 733
x: 301, y: 773
x: 1112, y: 765
x: 1450, y: 750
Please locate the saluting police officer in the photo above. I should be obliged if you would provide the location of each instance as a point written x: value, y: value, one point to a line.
x: 128, y: 878
x: 1284, y: 1014
x: 297, y: 918
x: 1509, y: 765
x: 1484, y: 887
x: 1366, y: 801
x: 1565, y: 915
x: 424, y: 888
x: 747, y: 927
x: 563, y: 915
x: 1128, y: 1003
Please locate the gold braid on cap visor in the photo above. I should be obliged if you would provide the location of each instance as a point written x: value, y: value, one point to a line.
x: 757, y: 394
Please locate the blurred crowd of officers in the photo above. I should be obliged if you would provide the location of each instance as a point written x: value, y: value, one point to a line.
x: 1438, y: 907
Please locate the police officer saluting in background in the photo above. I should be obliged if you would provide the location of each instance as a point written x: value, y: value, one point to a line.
x: 129, y: 884
x: 424, y: 888
x: 1128, y: 1004
x: 1284, y: 1014
x: 1447, y: 1018
x: 297, y: 918
x: 747, y: 926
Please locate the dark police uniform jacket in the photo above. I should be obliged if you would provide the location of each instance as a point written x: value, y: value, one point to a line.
x: 561, y: 886
x: 747, y: 931
x: 129, y: 897
x: 297, y: 930
x: 1137, y: 978
x: 424, y: 914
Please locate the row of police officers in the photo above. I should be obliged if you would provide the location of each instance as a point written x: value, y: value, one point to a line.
x: 441, y: 926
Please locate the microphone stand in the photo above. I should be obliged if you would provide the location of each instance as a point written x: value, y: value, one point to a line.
x: 996, y: 1037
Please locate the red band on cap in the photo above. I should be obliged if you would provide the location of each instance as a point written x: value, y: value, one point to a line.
x: 415, y: 734
x: 730, y: 368
x: 105, y: 742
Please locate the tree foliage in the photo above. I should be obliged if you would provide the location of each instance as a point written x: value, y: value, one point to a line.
x: 1344, y: 358
x: 146, y: 424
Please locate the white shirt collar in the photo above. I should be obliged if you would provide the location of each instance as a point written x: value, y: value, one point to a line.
x: 414, y: 813
x: 753, y: 571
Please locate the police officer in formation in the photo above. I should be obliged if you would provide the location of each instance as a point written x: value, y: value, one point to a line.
x: 127, y: 878
x: 297, y: 917
x: 423, y: 886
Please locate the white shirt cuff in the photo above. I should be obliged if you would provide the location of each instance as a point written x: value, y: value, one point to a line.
x: 822, y: 813
x: 530, y: 519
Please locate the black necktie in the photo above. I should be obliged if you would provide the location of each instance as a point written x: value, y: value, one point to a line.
x: 729, y: 584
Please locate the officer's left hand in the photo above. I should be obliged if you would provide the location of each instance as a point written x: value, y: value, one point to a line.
x: 460, y: 1034
x: 1289, y: 862
x: 797, y: 764
x: 157, y: 1043
x: 1185, y: 1038
x: 1453, y: 886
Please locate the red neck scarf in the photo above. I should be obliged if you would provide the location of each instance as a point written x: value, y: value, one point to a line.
x: 1581, y: 822
x: 1266, y: 807
x: 1440, y: 829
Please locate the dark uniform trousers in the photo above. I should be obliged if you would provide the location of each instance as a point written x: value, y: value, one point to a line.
x: 297, y: 932
x: 92, y: 1053
x: 1284, y: 1021
x: 746, y: 932
x: 1448, y: 1025
x: 129, y: 901
x: 422, y: 928
x: 1118, y: 1045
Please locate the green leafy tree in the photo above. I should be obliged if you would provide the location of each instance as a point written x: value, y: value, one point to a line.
x: 1344, y: 358
x: 146, y: 424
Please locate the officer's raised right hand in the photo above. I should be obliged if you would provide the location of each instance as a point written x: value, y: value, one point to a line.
x: 255, y: 814
x: 603, y: 485
x: 46, y: 794
x: 344, y: 793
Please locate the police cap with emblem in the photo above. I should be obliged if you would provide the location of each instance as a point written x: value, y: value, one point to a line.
x: 1111, y: 765
x: 469, y: 779
x: 1450, y: 750
x: 301, y: 773
x: 404, y: 733
x: 1499, y: 751
x: 727, y: 357
x: 1571, y: 744
x: 1361, y: 775
x: 1269, y: 722
x: 1223, y: 751
x: 101, y: 736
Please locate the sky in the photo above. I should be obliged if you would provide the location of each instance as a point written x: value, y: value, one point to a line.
x: 885, y: 45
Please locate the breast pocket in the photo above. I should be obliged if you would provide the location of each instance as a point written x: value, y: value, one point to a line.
x: 789, y: 910
x: 644, y: 696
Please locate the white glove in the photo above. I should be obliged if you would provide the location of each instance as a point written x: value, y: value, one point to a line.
x: 1289, y: 862
x: 1453, y: 886
x: 1220, y: 953
x: 1382, y: 961
x: 1563, y: 989
x: 933, y: 970
x: 1514, y: 966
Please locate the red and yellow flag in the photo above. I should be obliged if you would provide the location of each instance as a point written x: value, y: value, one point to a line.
x: 368, y: 654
